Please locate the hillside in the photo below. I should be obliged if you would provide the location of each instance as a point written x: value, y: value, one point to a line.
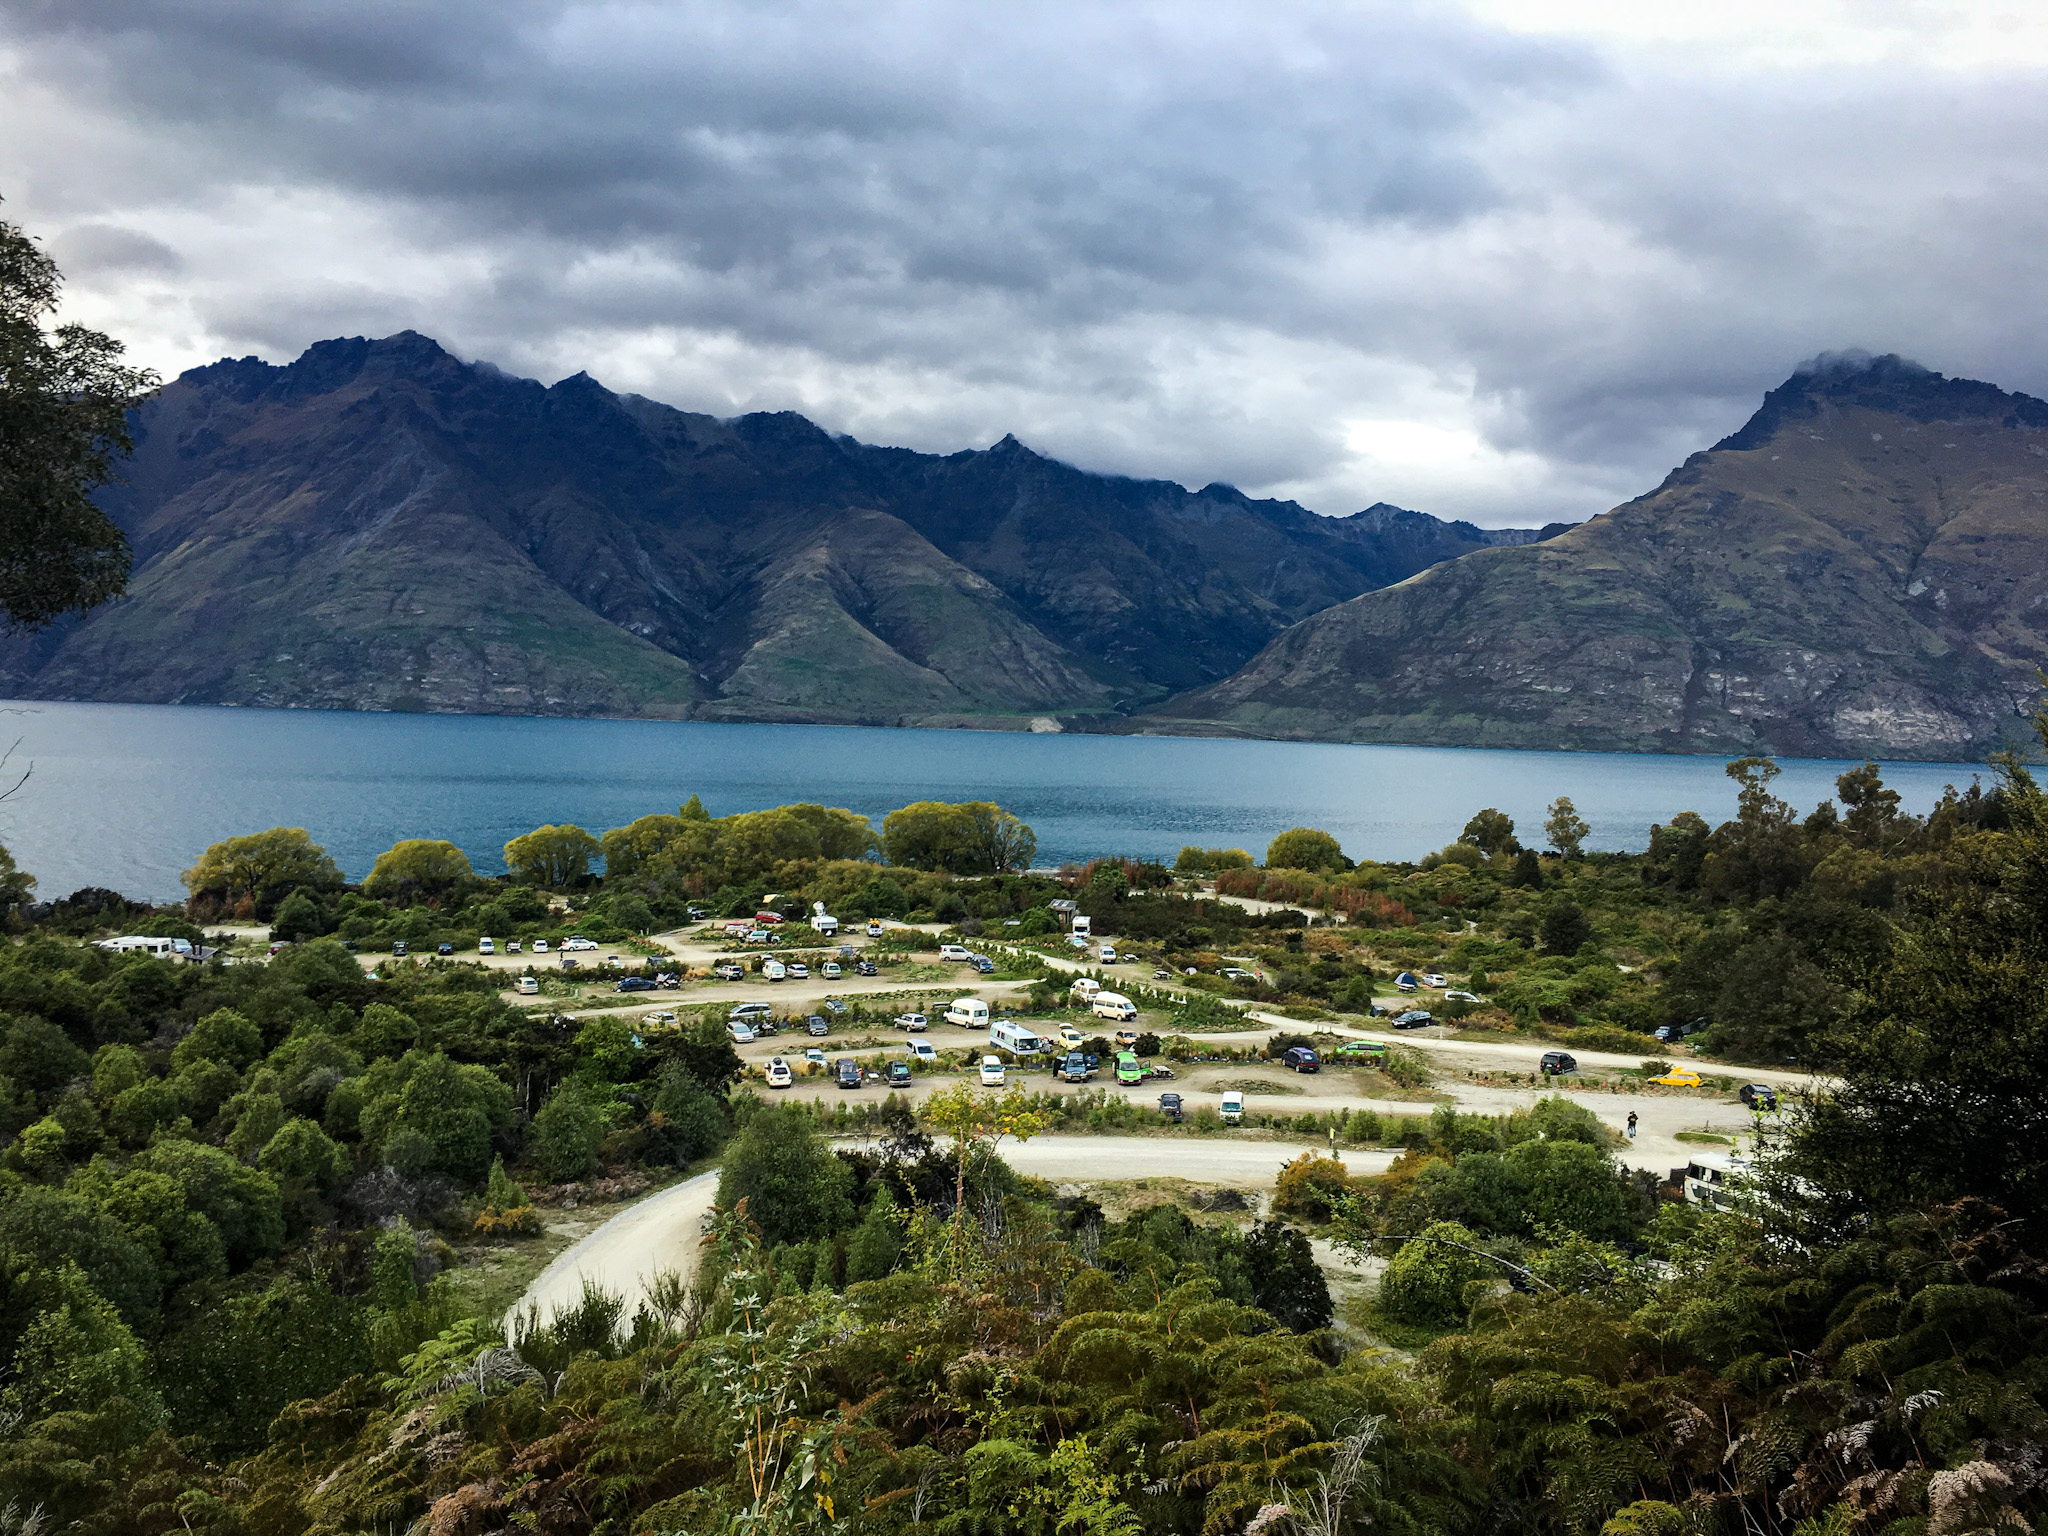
x: 1863, y: 568
x: 380, y: 526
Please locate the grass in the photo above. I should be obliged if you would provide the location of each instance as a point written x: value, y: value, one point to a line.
x: 1705, y: 1138
x: 1258, y: 1085
x: 492, y: 1276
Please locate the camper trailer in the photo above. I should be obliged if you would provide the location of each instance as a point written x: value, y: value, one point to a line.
x: 823, y: 921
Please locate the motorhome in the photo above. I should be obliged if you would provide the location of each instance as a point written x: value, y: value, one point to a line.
x: 1114, y: 1005
x: 1082, y: 929
x: 148, y: 944
x: 1712, y: 1179
x: 1015, y: 1038
x: 968, y: 1013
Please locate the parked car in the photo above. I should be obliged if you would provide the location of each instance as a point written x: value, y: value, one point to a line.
x: 729, y: 970
x: 1074, y: 1067
x: 983, y: 966
x: 1233, y: 1107
x: 1414, y: 1018
x: 846, y: 1072
x: 749, y: 1011
x: 773, y: 970
x: 1557, y: 1063
x: 814, y: 1056
x: 1169, y: 1106
x: 830, y: 970
x: 633, y: 984
x: 398, y: 947
x: 1678, y: 1077
x: 576, y: 944
x: 668, y: 980
x: 1106, y: 954
x: 1462, y: 997
x: 1070, y: 1037
x: 898, y: 1073
x: 914, y: 1022
x: 1406, y: 982
x: 1238, y: 973
x: 1435, y: 979
x: 953, y: 952
x: 833, y: 1006
x: 528, y: 986
x: 698, y: 914
x: 742, y: 1033
x: 991, y: 1071
x: 487, y: 946
x: 1758, y: 1096
x: 816, y: 1026
x: 779, y: 1075
x: 924, y: 1051
x: 439, y: 949
x: 866, y: 968
x: 874, y: 927
x: 1126, y: 1038
x: 1300, y: 1058
x: 1372, y: 1050
x: 1671, y: 1034
x: 798, y: 971
x: 540, y: 946
x: 511, y: 946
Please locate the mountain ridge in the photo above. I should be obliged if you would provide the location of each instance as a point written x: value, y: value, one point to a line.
x: 380, y: 525
x: 1861, y: 568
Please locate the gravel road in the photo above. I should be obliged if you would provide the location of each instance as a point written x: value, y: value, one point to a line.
x: 660, y: 1233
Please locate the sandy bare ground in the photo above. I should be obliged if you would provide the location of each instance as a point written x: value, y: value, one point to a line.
x: 662, y: 1232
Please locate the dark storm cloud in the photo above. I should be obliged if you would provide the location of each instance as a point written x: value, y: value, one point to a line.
x: 1343, y: 253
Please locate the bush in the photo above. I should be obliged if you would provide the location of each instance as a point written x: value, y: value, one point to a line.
x: 1425, y: 1282
x: 566, y: 1134
x: 1311, y: 1186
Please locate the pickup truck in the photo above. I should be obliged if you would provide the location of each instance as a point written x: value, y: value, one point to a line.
x: 1075, y: 1067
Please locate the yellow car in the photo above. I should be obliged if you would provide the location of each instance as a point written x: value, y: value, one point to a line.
x: 1070, y: 1037
x: 1679, y: 1077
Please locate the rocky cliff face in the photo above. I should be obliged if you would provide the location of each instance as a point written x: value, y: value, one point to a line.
x: 380, y: 526
x: 1863, y: 568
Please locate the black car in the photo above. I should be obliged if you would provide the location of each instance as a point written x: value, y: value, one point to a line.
x: 982, y: 964
x: 398, y: 947
x: 1414, y: 1018
x: 1301, y: 1059
x: 866, y: 968
x: 899, y: 1074
x: 1758, y: 1096
x: 698, y: 914
x: 846, y: 1072
x: 816, y: 1025
x: 1169, y: 1106
x: 633, y: 984
x: 444, y: 949
x: 1558, y: 1062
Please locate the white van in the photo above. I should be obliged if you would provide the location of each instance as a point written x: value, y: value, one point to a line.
x: 968, y: 1013
x: 1085, y: 989
x: 1114, y: 1005
x: 991, y: 1071
x: 529, y: 986
x: 772, y: 970
x: 954, y: 952
x: 487, y: 946
x: 1233, y: 1108
x: 1015, y: 1038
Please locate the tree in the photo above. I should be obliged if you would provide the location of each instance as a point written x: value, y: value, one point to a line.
x: 1287, y: 1283
x: 689, y: 1117
x: 1306, y: 848
x: 78, y: 1356
x: 1425, y: 1282
x: 1564, y: 828
x: 795, y: 1188
x: 1003, y: 843
x: 877, y: 1242
x: 566, y: 1134
x: 978, y: 1122
x: 64, y: 402
x: 1873, y: 809
x: 1571, y: 1185
x: 418, y: 869
x: 628, y: 849
x: 1565, y: 928
x: 262, y: 868
x: 224, y: 1036
x: 17, y: 886
x: 1491, y: 832
x: 552, y: 856
x: 298, y: 917
x: 1528, y: 871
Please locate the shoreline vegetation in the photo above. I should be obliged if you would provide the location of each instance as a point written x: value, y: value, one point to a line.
x: 256, y: 1211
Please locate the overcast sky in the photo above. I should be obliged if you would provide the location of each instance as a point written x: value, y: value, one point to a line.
x: 1505, y: 261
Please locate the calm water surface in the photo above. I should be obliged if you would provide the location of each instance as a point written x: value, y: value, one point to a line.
x: 127, y: 795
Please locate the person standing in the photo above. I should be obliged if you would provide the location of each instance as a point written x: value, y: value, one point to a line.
x: 1631, y: 1125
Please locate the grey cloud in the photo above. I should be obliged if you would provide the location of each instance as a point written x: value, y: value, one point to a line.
x: 92, y: 248
x: 1190, y: 241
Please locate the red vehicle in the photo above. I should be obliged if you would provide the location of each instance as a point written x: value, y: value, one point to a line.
x: 767, y: 917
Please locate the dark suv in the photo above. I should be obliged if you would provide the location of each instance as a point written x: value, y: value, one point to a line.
x: 899, y: 1074
x: 1758, y: 1096
x: 1301, y: 1059
x: 1557, y: 1063
x: 846, y: 1072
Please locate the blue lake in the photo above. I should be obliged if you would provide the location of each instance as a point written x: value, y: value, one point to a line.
x: 127, y: 795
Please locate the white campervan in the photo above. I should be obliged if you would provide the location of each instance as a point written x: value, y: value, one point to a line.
x: 991, y: 1071
x: 968, y: 1013
x: 1114, y: 1005
x: 162, y: 948
x: 1081, y: 928
x: 1015, y: 1038
x: 772, y: 970
x: 1233, y: 1108
x: 1085, y: 989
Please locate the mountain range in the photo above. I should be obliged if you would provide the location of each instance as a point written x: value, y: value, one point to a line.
x: 1862, y: 568
x: 379, y: 525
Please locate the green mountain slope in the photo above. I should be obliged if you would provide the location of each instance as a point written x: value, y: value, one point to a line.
x: 1862, y: 569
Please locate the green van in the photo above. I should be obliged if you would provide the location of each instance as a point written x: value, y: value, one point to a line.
x: 1128, y: 1069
